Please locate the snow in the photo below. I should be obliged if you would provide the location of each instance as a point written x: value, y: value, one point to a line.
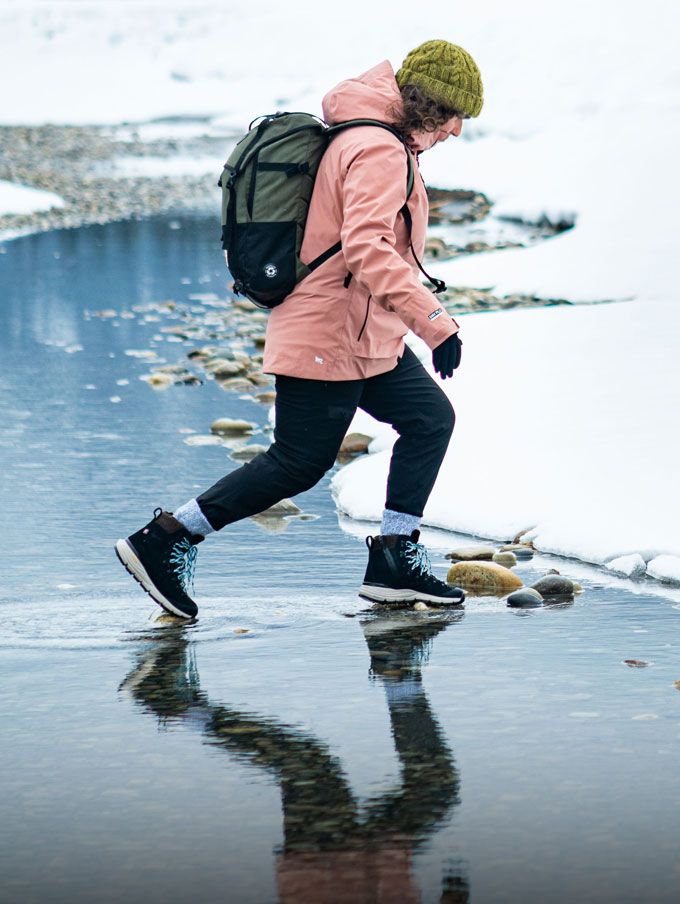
x: 665, y: 568
x: 17, y: 199
x: 567, y: 417
x: 628, y: 566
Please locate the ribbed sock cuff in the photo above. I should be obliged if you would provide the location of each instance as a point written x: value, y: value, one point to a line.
x: 191, y: 516
x: 397, y: 523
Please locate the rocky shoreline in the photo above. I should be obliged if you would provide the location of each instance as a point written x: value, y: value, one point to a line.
x: 71, y: 161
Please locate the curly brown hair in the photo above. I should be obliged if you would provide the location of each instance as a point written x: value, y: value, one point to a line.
x: 419, y: 112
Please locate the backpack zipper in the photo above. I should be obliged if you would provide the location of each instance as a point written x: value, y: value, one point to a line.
x: 363, y: 325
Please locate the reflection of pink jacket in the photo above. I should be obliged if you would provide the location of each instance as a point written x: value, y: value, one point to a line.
x: 323, y: 330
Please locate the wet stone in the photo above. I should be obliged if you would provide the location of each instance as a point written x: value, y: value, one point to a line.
x: 519, y: 550
x: 508, y: 559
x: 471, y: 553
x: 284, y: 507
x: 258, y: 378
x: 226, y: 426
x: 554, y: 585
x: 355, y: 443
x: 159, y: 381
x: 526, y: 598
x: 247, y: 453
x: 483, y: 576
x: 636, y: 663
x: 222, y: 367
x: 236, y: 384
x: 172, y: 369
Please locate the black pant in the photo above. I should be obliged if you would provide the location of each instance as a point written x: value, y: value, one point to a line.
x: 312, y: 417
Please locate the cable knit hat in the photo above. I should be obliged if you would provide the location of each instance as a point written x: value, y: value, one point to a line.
x: 446, y: 73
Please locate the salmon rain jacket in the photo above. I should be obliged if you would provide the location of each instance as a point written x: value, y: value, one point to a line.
x: 326, y: 329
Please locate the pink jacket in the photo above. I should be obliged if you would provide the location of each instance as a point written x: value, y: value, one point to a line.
x: 324, y: 330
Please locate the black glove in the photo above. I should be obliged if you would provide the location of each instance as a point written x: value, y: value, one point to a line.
x: 446, y: 357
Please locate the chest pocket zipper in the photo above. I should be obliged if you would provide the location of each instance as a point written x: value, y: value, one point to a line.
x: 363, y: 325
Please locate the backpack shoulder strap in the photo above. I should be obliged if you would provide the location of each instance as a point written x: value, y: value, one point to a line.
x: 439, y: 284
x: 351, y: 123
x: 410, y: 179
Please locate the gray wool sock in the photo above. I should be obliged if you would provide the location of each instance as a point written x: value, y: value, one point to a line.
x: 191, y: 516
x: 398, y: 523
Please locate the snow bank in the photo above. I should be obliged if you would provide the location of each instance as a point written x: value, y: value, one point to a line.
x: 566, y: 426
x: 23, y: 199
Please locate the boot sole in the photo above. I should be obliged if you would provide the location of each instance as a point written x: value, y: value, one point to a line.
x: 130, y: 561
x: 389, y: 595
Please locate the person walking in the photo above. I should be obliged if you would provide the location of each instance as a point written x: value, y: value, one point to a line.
x: 337, y: 342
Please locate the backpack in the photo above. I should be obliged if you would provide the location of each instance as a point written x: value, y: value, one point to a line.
x: 267, y: 185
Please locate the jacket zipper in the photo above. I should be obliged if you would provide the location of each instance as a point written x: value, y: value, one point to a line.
x: 363, y: 325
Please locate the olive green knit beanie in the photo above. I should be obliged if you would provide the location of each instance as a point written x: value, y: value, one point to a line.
x: 446, y: 73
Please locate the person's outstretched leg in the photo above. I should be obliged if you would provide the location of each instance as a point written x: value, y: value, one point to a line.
x: 411, y: 401
x: 312, y: 417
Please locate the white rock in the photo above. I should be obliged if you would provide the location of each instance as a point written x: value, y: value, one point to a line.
x: 665, y: 568
x: 632, y: 566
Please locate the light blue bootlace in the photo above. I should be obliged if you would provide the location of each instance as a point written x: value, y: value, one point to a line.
x: 417, y: 557
x: 183, y: 560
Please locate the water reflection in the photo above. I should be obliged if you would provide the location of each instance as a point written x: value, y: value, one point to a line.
x: 334, y: 850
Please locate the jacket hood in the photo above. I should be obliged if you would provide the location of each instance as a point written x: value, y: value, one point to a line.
x: 366, y: 97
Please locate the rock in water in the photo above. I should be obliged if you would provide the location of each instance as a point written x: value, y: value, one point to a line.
x: 223, y: 367
x: 284, y: 507
x: 355, y: 443
x: 508, y: 559
x: 471, y: 553
x: 519, y: 550
x: 247, y: 453
x: 554, y: 585
x: 526, y: 598
x: 226, y: 426
x: 484, y: 576
x: 159, y: 380
x: 636, y: 663
x: 235, y: 384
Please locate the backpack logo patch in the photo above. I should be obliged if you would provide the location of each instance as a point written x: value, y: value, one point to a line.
x: 270, y: 270
x: 435, y: 314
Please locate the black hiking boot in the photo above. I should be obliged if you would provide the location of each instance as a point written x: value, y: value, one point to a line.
x: 399, y: 571
x: 161, y: 556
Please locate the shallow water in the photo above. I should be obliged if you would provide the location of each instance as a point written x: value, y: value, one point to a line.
x: 292, y: 744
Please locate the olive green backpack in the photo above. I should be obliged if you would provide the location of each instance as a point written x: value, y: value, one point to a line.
x: 266, y: 187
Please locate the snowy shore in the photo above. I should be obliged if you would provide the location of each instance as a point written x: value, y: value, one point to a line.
x: 567, y: 422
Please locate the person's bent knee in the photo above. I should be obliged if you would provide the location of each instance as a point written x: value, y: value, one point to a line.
x: 441, y: 420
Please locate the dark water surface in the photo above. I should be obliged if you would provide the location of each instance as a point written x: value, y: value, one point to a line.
x: 291, y: 745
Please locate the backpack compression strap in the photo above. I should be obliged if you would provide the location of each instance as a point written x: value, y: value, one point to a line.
x: 439, y: 284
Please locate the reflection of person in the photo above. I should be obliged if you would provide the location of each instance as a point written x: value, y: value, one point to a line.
x: 332, y: 851
x: 337, y: 342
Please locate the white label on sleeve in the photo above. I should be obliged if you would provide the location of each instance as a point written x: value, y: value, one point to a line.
x: 435, y: 314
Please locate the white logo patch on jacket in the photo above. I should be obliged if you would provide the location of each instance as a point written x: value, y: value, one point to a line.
x: 435, y: 314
